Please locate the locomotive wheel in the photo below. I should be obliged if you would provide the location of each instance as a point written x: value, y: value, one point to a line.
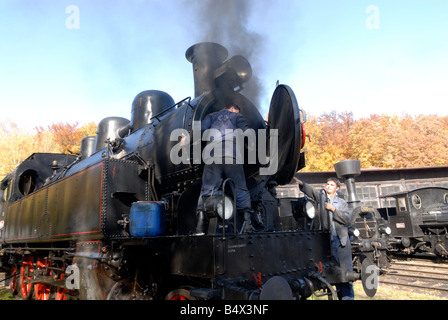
x: 124, y: 290
x: 14, y: 285
x: 26, y: 274
x: 42, y: 291
x: 369, y: 277
x: 60, y: 291
x: 179, y: 294
x: 276, y: 288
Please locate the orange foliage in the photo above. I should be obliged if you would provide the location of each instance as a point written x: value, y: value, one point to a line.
x: 16, y: 145
x: 377, y: 141
x: 67, y: 137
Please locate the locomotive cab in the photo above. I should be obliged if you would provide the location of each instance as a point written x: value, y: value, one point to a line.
x: 399, y: 217
x: 34, y: 172
x: 419, y: 220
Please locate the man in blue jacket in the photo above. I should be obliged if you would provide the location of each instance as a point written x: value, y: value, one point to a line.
x: 229, y: 164
x: 337, y: 208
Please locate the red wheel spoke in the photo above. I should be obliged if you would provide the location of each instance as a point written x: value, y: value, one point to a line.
x: 26, y: 274
x: 42, y: 291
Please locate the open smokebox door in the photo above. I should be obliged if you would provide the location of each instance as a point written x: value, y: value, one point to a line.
x: 284, y: 116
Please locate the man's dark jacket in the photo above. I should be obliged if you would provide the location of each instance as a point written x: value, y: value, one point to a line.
x: 341, y: 216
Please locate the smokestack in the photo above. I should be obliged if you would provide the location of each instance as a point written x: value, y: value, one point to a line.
x: 206, y: 57
x: 348, y: 170
x: 227, y: 22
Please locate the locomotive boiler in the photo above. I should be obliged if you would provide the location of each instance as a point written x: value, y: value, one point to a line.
x: 118, y: 221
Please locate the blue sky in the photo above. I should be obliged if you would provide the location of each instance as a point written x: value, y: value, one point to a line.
x: 61, y: 65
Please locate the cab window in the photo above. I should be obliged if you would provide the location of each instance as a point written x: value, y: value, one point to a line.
x: 401, y: 203
x: 416, y: 201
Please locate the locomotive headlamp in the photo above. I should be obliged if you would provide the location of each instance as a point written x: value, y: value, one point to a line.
x: 353, y: 231
x: 303, y: 207
x: 216, y: 206
x: 310, y: 210
x: 384, y: 229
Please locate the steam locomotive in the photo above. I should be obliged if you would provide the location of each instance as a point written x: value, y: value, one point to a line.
x: 419, y: 221
x: 370, y: 232
x: 118, y: 221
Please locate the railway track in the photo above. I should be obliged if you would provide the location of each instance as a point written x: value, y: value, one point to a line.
x: 419, y: 275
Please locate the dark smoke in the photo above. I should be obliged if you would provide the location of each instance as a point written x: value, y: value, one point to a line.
x: 226, y: 22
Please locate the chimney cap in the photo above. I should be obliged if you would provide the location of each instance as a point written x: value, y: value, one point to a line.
x: 348, y: 168
x: 206, y: 47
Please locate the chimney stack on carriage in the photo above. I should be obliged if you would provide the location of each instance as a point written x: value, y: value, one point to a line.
x: 348, y: 170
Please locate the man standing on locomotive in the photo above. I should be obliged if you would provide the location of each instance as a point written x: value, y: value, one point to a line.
x: 337, y: 208
x: 229, y: 118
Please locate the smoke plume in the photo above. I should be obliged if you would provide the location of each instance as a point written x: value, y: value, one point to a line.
x: 226, y: 22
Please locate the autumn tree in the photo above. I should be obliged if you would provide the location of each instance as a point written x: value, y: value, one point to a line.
x: 67, y: 137
x: 371, y: 141
x: 377, y: 141
x: 16, y: 144
x: 330, y: 140
x: 422, y: 142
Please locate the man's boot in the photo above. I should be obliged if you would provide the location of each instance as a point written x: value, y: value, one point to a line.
x: 256, y: 222
x: 247, y: 223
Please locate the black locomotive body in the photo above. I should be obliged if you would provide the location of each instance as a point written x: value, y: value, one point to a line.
x: 370, y: 237
x: 76, y: 228
x: 419, y: 221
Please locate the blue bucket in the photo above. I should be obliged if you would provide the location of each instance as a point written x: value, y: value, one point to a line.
x: 147, y: 219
